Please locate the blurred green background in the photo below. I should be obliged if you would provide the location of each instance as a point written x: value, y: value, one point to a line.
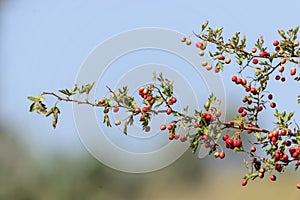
x: 43, y: 44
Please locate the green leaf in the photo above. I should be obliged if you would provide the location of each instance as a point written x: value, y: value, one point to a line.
x: 32, y: 107
x: 31, y: 98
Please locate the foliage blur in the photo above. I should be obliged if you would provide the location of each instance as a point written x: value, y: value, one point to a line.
x: 27, y: 177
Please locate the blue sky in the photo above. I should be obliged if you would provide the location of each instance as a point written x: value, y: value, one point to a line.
x: 44, y: 43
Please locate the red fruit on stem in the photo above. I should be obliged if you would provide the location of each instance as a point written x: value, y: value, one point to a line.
x: 281, y: 68
x: 221, y: 57
x: 234, y: 78
x: 277, y: 77
x: 115, y: 109
x: 276, y: 43
x: 225, y: 137
x: 222, y: 154
x: 255, y: 61
x: 171, y: 136
x: 168, y: 111
x: 244, y: 182
x: 298, y: 185
x: 170, y: 126
x: 173, y: 100
x: 176, y: 136
x: 283, y: 132
x: 270, y: 96
x: 259, y: 108
x: 273, y: 177
x: 149, y: 98
x: 183, y: 138
x: 144, y: 109
x: 283, y: 61
x: 254, y: 50
x: 273, y: 105
x: 248, y: 88
x: 137, y: 110
x: 293, y: 71
x: 163, y: 127
x: 199, y: 44
x: 241, y: 109
x: 252, y: 148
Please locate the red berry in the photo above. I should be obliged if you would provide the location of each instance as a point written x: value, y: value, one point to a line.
x: 221, y: 57
x: 273, y: 105
x: 137, y: 110
x: 168, y: 111
x: 283, y: 60
x: 295, y: 155
x: 253, y: 91
x: 225, y: 137
x: 244, y: 182
x: 281, y: 68
x: 288, y: 143
x: 222, y: 154
x: 241, y: 109
x: 259, y: 108
x: 248, y: 88
x: 276, y: 43
x: 298, y: 185
x: 173, y: 100
x: 273, y: 177
x: 244, y: 81
x: 282, y: 79
x: 199, y: 44
x: 277, y: 167
x: 254, y: 50
x: 144, y: 109
x: 171, y: 136
x: 234, y: 78
x: 244, y: 113
x: 208, y: 117
x: 205, y: 137
x: 283, y: 132
x: 163, y: 127
x: 277, y: 77
x: 115, y: 109
x: 298, y: 162
x: 252, y: 148
x: 176, y: 136
x: 255, y: 61
x: 239, y: 81
x: 183, y: 138
x: 293, y: 71
x: 270, y: 96
x: 170, y: 126
x: 149, y: 98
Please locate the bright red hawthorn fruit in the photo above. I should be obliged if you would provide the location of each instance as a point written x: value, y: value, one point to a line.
x: 283, y: 61
x: 225, y: 137
x: 283, y: 132
x: 255, y: 61
x: 116, y: 109
x: 234, y: 78
x: 163, y: 127
x: 273, y: 105
x: 259, y: 108
x: 171, y: 136
x: 170, y: 126
x: 244, y: 113
x: 199, y: 44
x: 277, y: 77
x: 144, y: 109
x: 248, y: 88
x: 218, y: 113
x: 276, y: 43
x: 176, y: 136
x: 222, y: 154
x: 252, y: 148
x: 240, y: 109
x: 244, y: 182
x: 293, y: 71
x: 254, y: 50
x: 221, y: 57
x: 173, y: 100
x: 168, y: 111
x: 298, y: 185
x: 270, y: 96
x: 137, y: 110
x: 183, y: 138
x: 281, y: 68
x: 149, y: 98
x: 273, y: 177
